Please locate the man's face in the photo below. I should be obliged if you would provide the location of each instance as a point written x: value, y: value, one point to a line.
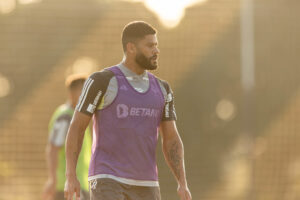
x: 147, y: 52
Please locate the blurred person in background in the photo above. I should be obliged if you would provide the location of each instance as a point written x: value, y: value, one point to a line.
x: 128, y: 105
x: 55, y: 150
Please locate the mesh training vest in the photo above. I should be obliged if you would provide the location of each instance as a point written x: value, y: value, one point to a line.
x: 126, y: 132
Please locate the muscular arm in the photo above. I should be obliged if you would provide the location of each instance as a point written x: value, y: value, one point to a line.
x: 174, y: 155
x: 173, y: 150
x: 74, y: 141
x: 91, y: 95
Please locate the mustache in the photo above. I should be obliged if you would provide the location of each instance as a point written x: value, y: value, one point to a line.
x: 154, y: 57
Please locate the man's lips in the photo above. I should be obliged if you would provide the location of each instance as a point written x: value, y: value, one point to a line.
x: 154, y: 57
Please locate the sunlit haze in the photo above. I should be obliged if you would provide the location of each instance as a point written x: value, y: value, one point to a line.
x: 29, y: 1
x: 5, y: 86
x: 170, y: 12
x: 7, y: 6
x: 83, y: 65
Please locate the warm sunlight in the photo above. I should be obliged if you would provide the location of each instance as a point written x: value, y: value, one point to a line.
x: 7, y: 6
x: 29, y: 1
x: 5, y: 88
x: 82, y: 65
x: 170, y: 12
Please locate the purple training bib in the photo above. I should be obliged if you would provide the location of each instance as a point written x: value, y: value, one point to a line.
x: 126, y: 132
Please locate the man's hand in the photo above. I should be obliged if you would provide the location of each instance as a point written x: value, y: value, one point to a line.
x: 184, y: 193
x: 72, y: 186
x: 49, y: 190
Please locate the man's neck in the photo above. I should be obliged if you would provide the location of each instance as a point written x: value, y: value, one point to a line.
x: 133, y: 66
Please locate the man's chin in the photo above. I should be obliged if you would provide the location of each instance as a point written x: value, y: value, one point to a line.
x: 152, y: 67
x: 149, y: 66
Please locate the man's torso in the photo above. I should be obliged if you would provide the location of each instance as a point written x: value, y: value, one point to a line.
x: 127, y: 111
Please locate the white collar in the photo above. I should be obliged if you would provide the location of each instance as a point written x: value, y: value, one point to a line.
x: 132, y: 75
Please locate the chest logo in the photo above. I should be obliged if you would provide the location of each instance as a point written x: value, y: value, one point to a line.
x: 124, y: 111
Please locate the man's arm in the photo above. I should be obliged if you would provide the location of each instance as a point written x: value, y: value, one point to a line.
x: 56, y: 141
x: 174, y: 155
x: 74, y: 141
x: 51, y: 158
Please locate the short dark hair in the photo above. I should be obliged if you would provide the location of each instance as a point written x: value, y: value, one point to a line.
x: 75, y: 80
x: 136, y: 30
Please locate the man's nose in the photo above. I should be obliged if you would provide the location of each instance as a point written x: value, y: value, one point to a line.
x: 156, y: 50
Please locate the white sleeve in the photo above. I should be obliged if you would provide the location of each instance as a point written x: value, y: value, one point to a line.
x: 59, y: 132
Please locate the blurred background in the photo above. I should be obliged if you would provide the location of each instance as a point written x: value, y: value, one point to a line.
x: 233, y: 66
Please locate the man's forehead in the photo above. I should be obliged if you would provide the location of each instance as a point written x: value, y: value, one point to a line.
x: 150, y: 38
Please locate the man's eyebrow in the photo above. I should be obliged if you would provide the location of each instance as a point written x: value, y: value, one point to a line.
x: 155, y: 43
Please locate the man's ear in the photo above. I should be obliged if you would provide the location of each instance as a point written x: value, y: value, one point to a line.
x: 131, y: 48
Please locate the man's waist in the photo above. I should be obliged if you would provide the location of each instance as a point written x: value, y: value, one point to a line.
x: 147, y: 183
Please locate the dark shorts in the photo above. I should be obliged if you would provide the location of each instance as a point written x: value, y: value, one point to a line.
x: 84, y: 195
x: 109, y: 189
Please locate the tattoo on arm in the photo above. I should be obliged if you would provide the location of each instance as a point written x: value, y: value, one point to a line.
x: 175, y: 158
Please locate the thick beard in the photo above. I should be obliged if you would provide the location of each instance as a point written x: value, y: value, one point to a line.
x: 145, y: 62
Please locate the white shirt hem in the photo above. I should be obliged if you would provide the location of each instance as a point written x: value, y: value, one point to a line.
x: 126, y: 180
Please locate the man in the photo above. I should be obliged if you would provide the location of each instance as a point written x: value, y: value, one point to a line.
x: 55, y: 150
x: 128, y: 105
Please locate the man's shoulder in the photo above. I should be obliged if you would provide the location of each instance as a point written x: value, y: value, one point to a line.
x: 93, y: 91
x: 98, y: 81
x: 162, y: 82
x: 102, y: 75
